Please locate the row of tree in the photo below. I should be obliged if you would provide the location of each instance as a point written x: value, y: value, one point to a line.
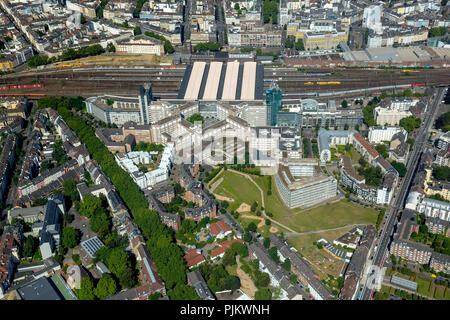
x: 207, y: 46
x: 167, y: 256
x: 68, y: 54
x: 167, y: 44
x: 291, y: 43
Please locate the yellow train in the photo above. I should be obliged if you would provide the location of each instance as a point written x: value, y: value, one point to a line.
x: 309, y: 83
x: 69, y: 65
x: 329, y: 82
x: 405, y: 70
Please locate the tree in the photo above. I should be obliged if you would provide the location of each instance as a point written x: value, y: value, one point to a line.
x: 67, y: 218
x: 268, y: 222
x: 344, y: 104
x: 86, y: 291
x: 183, y: 292
x: 37, y: 60
x: 262, y: 279
x: 30, y: 246
x: 410, y: 123
x: 441, y: 173
x: 167, y: 44
x: 266, y: 243
x: 254, y: 206
x: 70, y: 190
x: 195, y: 117
x: 346, y: 126
x: 382, y: 149
x: 263, y: 294
x: 299, y: 45
x: 70, y: 237
x: 270, y: 11
x: 240, y: 249
x: 100, y: 223
x: 273, y: 253
x: 400, y: 167
x: 236, y: 6
x: 207, y: 46
x: 229, y: 258
x: 443, y: 122
x: 46, y: 165
x: 437, y: 32
x: 286, y: 265
x: 290, y: 41
x: 105, y: 287
x: 251, y: 227
x: 90, y: 205
x: 110, y: 47
x: 137, y: 31
x: 59, y: 154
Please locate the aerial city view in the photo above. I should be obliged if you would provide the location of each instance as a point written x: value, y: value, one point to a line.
x: 214, y: 150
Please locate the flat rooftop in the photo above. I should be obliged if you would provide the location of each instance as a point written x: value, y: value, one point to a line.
x: 232, y: 81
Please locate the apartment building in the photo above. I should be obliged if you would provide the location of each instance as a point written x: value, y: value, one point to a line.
x: 304, y: 191
x: 141, y: 44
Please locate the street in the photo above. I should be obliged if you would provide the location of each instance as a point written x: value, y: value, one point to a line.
x: 392, y: 211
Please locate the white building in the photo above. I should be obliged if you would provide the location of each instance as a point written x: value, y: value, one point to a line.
x: 379, y: 134
x: 141, y: 45
x: 435, y: 209
x: 130, y: 160
x: 390, y: 117
x: 372, y: 18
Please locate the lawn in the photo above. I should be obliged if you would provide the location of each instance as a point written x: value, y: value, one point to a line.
x: 447, y: 294
x: 423, y: 286
x: 320, y: 259
x: 239, y: 188
x: 353, y: 154
x: 439, y: 292
x: 244, y: 222
x: 330, y: 216
x: 325, y: 217
x: 388, y: 290
x: 232, y: 269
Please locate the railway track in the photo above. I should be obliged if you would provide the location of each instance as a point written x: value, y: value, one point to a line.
x: 88, y: 82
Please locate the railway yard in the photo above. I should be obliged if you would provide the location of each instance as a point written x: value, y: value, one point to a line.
x: 77, y: 80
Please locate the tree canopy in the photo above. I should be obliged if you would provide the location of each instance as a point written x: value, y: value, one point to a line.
x: 263, y: 294
x: 166, y: 254
x: 270, y: 11
x: 207, y: 46
x: 400, y: 167
x: 70, y: 190
x: 86, y: 291
x: 443, y: 122
x: 70, y: 237
x: 410, y: 123
x: 441, y: 173
x: 105, y: 287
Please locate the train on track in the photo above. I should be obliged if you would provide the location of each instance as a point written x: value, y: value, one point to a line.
x: 318, y: 73
x: 32, y: 95
x: 322, y: 83
x: 22, y: 86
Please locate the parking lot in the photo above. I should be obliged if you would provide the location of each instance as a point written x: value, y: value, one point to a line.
x: 82, y: 224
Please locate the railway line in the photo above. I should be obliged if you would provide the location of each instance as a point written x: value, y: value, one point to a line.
x: 293, y: 83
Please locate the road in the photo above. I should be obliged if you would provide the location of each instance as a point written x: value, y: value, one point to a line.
x: 220, y: 22
x: 392, y: 211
